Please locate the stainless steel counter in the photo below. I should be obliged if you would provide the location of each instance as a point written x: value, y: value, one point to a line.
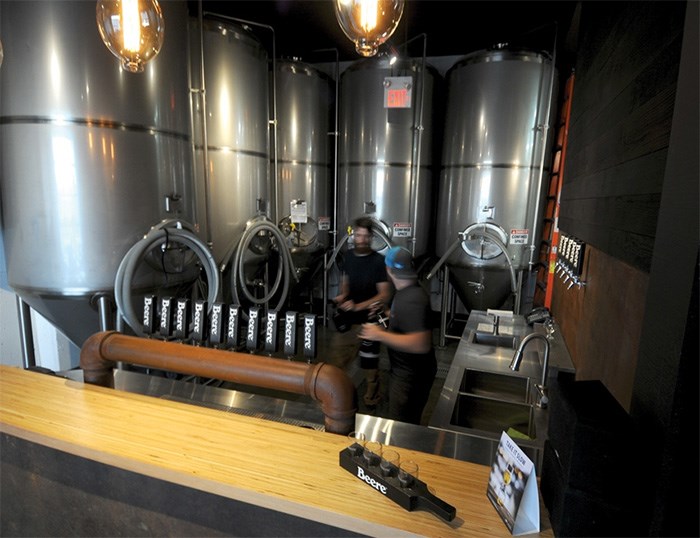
x: 482, y: 396
x: 477, y: 350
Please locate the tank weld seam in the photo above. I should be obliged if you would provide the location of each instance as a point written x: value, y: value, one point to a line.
x: 304, y: 162
x: 101, y: 123
x: 228, y: 149
x: 375, y: 164
x: 507, y: 166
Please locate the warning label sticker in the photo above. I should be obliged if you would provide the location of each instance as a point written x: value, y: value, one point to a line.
x: 519, y: 237
x: 402, y: 229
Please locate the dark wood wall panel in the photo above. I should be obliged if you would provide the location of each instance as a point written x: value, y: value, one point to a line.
x: 633, y: 123
x: 622, y: 108
x: 601, y: 322
x: 627, y: 69
x: 637, y: 247
x: 647, y: 171
x: 619, y: 41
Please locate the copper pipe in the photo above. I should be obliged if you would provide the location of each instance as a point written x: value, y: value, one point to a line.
x: 325, y: 383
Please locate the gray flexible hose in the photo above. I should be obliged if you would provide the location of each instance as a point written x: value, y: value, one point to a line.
x: 283, y: 273
x: 174, y: 223
x: 127, y: 268
x: 337, y: 249
x: 502, y: 246
x: 471, y: 231
x: 442, y: 260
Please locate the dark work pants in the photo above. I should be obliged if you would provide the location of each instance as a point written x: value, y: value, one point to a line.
x: 408, y: 396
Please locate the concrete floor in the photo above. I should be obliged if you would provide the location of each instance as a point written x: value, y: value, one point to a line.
x: 341, y: 350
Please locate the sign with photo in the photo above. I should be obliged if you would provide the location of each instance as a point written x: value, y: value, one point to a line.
x: 512, y: 488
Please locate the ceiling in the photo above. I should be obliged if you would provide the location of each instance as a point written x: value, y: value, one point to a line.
x: 306, y: 29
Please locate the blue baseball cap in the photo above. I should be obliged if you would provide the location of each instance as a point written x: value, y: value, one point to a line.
x: 401, y: 262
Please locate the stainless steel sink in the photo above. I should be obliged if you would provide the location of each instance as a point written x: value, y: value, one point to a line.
x: 486, y: 414
x: 495, y: 340
x: 496, y: 385
x: 482, y: 397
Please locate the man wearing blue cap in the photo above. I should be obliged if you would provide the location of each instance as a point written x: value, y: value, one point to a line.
x: 408, y: 340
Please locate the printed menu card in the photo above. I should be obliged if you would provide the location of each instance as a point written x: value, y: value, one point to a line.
x: 512, y: 488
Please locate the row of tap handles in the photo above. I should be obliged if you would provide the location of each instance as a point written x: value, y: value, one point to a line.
x: 569, y: 266
x: 223, y: 326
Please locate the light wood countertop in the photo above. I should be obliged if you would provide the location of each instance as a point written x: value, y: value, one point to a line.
x: 273, y: 465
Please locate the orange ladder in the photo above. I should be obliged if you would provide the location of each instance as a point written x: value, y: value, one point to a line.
x: 550, y: 227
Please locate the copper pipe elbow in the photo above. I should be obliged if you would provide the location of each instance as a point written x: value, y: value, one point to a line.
x: 325, y: 383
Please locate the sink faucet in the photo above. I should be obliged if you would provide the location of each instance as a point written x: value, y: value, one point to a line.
x: 542, y: 399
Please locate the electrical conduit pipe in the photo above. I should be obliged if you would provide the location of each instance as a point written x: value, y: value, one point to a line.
x: 325, y: 383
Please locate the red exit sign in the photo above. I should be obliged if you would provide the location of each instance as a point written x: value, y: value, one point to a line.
x: 397, y: 92
x: 398, y: 98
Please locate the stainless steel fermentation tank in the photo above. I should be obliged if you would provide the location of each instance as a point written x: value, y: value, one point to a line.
x: 494, y: 164
x: 385, y: 152
x: 231, y: 130
x: 305, y: 98
x: 92, y: 156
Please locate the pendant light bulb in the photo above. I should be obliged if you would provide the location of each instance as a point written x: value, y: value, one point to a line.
x: 368, y: 23
x: 132, y: 30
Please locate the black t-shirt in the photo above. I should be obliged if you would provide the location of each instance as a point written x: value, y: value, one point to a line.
x: 410, y: 313
x: 363, y: 274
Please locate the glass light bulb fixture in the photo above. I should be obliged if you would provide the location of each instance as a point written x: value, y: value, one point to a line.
x: 132, y: 30
x: 368, y: 23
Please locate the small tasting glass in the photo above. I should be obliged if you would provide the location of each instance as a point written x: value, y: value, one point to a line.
x: 373, y: 452
x: 389, y: 463
x: 408, y: 472
x: 357, y: 442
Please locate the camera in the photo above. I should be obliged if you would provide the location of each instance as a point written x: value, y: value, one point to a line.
x: 381, y: 320
x: 376, y: 315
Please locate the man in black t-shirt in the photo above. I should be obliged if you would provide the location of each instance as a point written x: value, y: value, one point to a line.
x: 408, y: 340
x: 364, y: 288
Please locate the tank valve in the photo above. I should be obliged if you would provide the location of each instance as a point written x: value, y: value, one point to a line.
x: 478, y: 285
x: 172, y: 203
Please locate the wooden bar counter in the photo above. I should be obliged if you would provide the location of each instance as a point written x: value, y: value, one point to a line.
x: 272, y: 468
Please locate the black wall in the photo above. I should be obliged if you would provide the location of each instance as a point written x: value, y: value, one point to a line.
x: 626, y: 73
x: 631, y: 191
